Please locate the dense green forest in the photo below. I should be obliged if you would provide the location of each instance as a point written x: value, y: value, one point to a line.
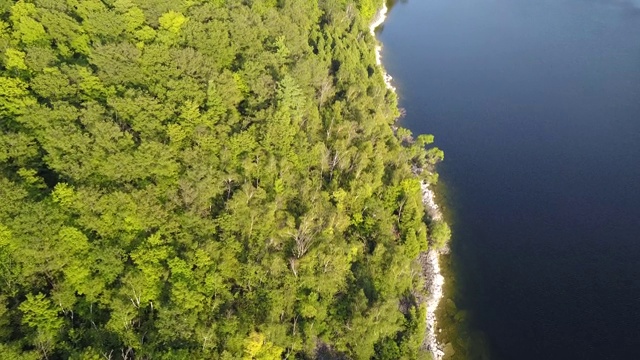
x: 219, y: 179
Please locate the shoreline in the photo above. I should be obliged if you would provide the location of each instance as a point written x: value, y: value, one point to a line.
x: 434, y: 277
x: 378, y: 20
x: 431, y: 259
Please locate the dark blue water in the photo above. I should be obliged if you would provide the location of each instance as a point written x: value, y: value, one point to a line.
x: 536, y: 104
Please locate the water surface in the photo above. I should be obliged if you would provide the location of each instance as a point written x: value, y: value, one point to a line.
x: 536, y: 104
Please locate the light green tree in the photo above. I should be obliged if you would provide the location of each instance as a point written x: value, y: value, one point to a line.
x: 39, y: 314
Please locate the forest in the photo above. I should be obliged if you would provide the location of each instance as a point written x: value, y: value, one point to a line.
x: 205, y: 179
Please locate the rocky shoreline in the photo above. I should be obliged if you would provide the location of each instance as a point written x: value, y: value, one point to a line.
x: 378, y: 20
x: 430, y: 260
x: 433, y: 277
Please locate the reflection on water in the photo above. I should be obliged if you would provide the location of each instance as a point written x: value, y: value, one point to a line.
x: 392, y: 3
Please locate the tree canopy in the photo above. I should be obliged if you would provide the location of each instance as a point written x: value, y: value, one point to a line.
x: 204, y: 179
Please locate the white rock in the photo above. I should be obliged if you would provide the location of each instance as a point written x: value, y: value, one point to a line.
x: 378, y: 20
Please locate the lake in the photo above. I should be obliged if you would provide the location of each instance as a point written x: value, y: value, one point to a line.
x: 536, y: 105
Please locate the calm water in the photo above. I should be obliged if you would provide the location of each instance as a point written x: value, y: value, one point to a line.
x: 536, y: 104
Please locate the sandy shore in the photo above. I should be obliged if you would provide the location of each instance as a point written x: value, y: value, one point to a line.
x: 430, y: 260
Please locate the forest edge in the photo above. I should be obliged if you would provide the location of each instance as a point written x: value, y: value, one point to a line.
x: 430, y: 260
